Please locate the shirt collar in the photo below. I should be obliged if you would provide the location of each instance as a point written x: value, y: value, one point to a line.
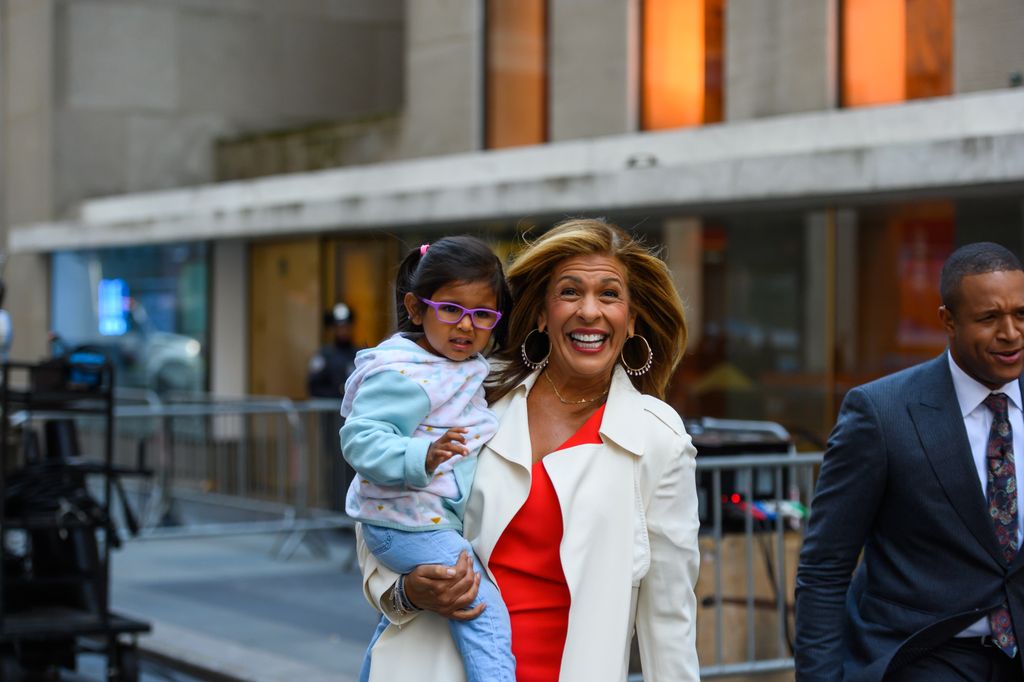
x: 970, y: 393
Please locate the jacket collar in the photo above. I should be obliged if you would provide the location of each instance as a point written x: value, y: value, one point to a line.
x: 623, y: 414
x: 621, y: 425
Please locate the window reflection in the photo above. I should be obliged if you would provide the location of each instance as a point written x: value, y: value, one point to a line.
x: 895, y: 50
x: 759, y: 337
x: 681, y: 63
x: 790, y: 310
x: 145, y: 308
x: 516, y: 72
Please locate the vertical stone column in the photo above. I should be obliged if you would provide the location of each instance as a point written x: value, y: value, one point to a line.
x: 444, y: 88
x: 591, y: 64
x: 228, y: 354
x: 684, y: 255
x: 816, y: 271
x: 987, y: 45
x: 28, y: 162
x: 780, y: 57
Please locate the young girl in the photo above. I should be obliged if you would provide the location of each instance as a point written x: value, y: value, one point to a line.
x: 415, y: 420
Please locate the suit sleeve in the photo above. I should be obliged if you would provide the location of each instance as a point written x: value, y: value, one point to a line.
x: 849, y: 490
x: 377, y: 436
x: 666, y: 603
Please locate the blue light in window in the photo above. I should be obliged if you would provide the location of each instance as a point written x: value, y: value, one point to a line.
x: 111, y: 307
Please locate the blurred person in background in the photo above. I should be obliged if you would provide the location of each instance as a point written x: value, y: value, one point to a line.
x: 330, y: 368
x: 584, y: 505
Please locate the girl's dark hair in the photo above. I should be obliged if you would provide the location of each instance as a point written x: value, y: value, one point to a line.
x: 447, y: 261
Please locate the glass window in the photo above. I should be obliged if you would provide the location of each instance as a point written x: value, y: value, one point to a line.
x: 929, y: 48
x: 895, y: 50
x: 516, y: 73
x: 789, y: 310
x: 144, y: 307
x: 891, y: 288
x: 758, y: 328
x: 681, y: 63
x: 887, y: 315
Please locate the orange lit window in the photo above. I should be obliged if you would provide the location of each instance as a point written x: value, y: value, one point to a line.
x: 516, y: 72
x: 895, y: 50
x: 681, y: 63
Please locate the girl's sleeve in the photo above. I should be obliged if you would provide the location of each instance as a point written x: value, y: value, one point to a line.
x: 667, y: 605
x: 377, y: 436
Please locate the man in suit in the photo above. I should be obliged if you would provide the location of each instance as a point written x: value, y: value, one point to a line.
x: 920, y: 476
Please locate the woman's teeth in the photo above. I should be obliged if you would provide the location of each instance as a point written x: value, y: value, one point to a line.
x: 587, y: 341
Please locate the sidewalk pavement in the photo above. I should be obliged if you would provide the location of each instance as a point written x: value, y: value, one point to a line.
x: 226, y: 609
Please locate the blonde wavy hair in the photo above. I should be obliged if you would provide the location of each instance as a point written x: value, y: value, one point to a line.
x: 653, y: 297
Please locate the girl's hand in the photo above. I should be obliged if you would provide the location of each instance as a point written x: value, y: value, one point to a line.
x: 445, y: 590
x: 446, y: 447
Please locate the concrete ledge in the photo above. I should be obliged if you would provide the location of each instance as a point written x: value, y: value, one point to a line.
x: 928, y: 145
x: 224, y: 661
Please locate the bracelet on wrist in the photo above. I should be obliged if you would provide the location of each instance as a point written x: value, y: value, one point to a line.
x: 400, y: 601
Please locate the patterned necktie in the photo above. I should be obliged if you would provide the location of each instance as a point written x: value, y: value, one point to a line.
x: 1002, y: 508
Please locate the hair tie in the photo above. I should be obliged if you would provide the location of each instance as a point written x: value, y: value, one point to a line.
x: 423, y: 249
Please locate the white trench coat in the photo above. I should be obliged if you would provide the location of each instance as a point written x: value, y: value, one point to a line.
x: 629, y: 549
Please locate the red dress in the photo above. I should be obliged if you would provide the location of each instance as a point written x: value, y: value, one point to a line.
x: 528, y: 569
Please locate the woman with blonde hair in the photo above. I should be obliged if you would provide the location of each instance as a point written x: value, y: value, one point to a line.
x: 584, y: 508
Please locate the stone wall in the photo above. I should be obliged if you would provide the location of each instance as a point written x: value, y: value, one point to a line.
x: 368, y: 140
x: 144, y: 89
x: 988, y: 51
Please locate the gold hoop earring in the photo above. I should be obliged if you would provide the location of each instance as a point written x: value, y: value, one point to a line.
x: 646, y: 367
x: 535, y: 364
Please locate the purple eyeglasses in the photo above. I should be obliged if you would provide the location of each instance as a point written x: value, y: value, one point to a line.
x: 452, y: 313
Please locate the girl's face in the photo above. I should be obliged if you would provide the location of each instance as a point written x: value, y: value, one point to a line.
x: 453, y: 341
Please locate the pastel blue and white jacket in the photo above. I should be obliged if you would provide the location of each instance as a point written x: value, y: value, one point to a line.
x: 400, y: 399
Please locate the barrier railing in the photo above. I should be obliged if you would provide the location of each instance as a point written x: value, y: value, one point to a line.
x: 750, y: 540
x: 233, y: 466
x: 271, y: 465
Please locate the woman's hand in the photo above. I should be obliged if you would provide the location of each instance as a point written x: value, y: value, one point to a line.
x: 447, y: 446
x: 445, y: 590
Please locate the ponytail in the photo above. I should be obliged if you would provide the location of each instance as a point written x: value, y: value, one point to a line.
x: 404, y: 285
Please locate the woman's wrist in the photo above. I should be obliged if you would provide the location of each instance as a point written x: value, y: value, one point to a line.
x: 400, y: 601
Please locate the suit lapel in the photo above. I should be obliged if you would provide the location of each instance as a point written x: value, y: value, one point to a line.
x: 1018, y: 460
x: 940, y: 428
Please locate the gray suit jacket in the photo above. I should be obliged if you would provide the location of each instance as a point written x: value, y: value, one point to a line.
x: 898, y: 482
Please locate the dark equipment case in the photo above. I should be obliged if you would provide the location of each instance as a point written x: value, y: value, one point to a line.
x: 56, y: 528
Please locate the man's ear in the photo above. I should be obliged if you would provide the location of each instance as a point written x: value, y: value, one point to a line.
x: 414, y: 307
x: 947, y: 320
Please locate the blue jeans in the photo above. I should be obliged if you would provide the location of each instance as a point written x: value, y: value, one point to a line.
x: 485, y: 642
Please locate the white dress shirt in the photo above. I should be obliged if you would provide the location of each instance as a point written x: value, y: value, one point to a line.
x: 978, y: 421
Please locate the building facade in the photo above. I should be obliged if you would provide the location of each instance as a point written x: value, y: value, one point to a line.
x: 805, y: 165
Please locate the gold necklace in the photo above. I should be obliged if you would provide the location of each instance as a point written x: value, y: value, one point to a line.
x: 581, y: 401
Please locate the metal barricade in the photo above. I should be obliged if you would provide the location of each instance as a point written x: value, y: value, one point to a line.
x: 745, y: 589
x: 270, y: 465
x: 230, y: 466
x: 776, y: 524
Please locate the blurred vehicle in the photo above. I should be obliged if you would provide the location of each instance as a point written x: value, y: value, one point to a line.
x: 144, y: 356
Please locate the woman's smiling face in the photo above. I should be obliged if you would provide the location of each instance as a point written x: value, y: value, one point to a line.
x: 587, y: 316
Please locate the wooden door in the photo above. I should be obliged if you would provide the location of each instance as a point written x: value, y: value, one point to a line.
x: 361, y: 272
x: 285, y: 314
